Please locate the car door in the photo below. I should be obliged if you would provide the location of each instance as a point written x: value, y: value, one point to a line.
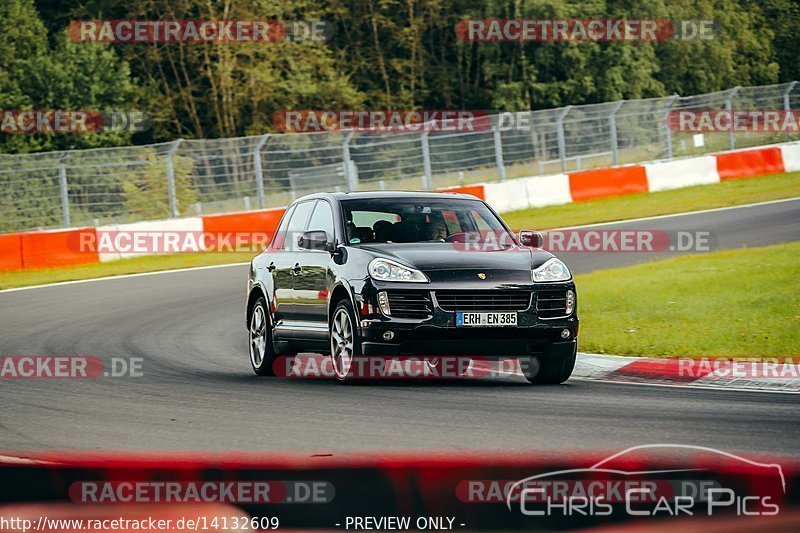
x: 276, y: 267
x: 312, y: 281
x: 284, y: 264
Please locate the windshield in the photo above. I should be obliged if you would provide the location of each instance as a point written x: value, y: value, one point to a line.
x: 415, y: 220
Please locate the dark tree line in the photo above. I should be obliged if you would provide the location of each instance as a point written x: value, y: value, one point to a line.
x: 384, y: 54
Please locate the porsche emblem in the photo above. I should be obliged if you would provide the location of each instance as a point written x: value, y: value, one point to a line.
x: 481, y: 275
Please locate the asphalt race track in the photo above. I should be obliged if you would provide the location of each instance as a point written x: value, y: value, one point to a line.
x: 745, y: 226
x: 198, y: 392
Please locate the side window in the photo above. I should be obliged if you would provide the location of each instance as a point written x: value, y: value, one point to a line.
x: 480, y: 222
x: 297, y: 225
x: 369, y: 218
x: 322, y: 219
x: 279, y: 239
x: 452, y: 222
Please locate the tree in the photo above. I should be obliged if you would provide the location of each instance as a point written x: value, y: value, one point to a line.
x: 741, y: 52
x: 71, y: 76
x: 783, y: 18
x: 214, y: 90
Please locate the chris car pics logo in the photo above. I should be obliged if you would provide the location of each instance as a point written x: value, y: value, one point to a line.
x: 617, y: 485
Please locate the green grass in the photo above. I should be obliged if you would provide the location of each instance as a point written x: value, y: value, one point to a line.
x: 152, y: 263
x: 729, y: 193
x: 736, y: 303
x: 734, y: 192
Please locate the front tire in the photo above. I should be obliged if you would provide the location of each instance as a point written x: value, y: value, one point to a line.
x: 345, y: 341
x: 543, y: 371
x: 262, y: 353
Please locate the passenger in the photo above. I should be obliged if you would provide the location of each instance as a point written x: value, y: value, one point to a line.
x: 383, y: 229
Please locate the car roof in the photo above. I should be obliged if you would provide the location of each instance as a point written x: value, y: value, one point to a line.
x: 366, y: 195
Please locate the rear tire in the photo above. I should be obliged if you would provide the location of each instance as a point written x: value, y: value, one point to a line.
x: 262, y: 353
x: 542, y: 371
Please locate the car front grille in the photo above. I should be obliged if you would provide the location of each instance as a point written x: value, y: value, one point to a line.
x: 483, y: 300
x: 410, y: 304
x: 551, y: 304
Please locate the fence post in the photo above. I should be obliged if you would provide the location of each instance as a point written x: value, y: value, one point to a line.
x: 729, y: 108
x: 346, y: 157
x: 612, y: 120
x: 498, y: 152
x: 259, y: 170
x: 787, y: 105
x: 562, y: 145
x: 537, y: 150
x: 62, y: 179
x: 427, y: 178
x: 668, y: 132
x: 173, y: 201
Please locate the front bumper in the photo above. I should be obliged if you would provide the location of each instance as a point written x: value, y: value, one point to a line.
x: 449, y: 342
x: 438, y: 334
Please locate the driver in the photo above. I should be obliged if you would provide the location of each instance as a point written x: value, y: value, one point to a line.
x: 437, y: 231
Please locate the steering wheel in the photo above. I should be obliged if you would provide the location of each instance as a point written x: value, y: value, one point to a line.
x: 455, y: 237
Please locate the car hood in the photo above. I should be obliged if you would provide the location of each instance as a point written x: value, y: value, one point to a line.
x: 445, y: 256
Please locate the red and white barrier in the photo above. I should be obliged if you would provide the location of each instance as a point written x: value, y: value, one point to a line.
x: 10, y: 252
x: 667, y: 175
x: 265, y: 220
x: 749, y: 163
x: 478, y: 190
x: 511, y: 195
x: 50, y: 249
x: 193, y: 224
x: 790, y: 153
x: 548, y: 190
x: 648, y: 177
x: 57, y: 248
x: 602, y: 182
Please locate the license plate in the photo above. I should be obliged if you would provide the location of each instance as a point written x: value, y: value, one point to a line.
x: 465, y: 319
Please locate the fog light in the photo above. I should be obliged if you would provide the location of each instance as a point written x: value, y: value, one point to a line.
x: 565, y: 334
x: 570, y: 303
x: 383, y: 303
x: 388, y: 335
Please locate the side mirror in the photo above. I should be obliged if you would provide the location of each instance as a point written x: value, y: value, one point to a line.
x: 531, y: 239
x: 316, y: 240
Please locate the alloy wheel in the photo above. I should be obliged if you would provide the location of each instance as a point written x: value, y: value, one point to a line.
x: 341, y: 343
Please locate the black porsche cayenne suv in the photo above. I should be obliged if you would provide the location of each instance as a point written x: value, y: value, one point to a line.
x: 399, y: 273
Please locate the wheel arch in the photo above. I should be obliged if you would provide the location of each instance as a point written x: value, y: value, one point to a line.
x: 255, y: 293
x: 342, y: 291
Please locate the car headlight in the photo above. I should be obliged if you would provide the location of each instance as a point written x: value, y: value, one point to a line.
x: 388, y: 270
x: 552, y: 270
